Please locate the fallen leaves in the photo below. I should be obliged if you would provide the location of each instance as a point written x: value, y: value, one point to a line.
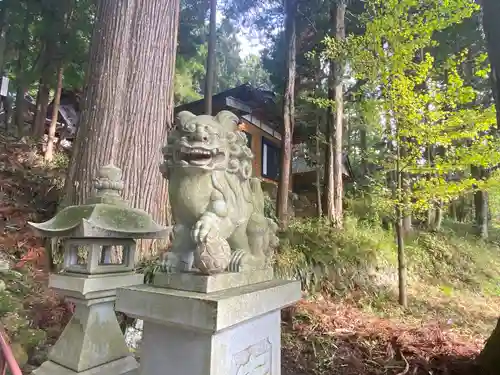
x: 326, y: 337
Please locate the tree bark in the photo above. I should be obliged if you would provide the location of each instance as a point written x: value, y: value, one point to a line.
x: 488, y: 359
x: 42, y: 103
x: 49, y: 152
x: 212, y: 43
x: 397, y: 191
x: 491, y: 12
x: 20, y: 107
x: 288, y: 116
x: 4, y: 25
x: 128, y: 104
x: 318, y: 168
x: 403, y: 295
x: 480, y: 205
x: 335, y: 189
x: 364, y: 153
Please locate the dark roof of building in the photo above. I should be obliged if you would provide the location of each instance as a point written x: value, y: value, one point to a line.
x: 258, y: 102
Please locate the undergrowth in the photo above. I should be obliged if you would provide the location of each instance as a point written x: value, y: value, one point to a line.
x: 32, y: 315
x: 362, y: 253
x: 452, y: 278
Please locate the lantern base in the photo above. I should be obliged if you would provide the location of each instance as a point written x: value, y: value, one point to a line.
x: 122, y: 366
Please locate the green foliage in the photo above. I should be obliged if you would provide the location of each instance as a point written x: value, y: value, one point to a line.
x: 323, y: 257
x: 270, y: 208
x: 40, y: 34
x: 362, y: 255
x: 231, y: 69
x: 423, y: 103
x: 18, y: 326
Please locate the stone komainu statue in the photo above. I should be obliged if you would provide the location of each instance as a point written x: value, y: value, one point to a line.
x: 217, y: 206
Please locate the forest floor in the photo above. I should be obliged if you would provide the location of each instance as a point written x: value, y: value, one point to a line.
x: 360, y: 333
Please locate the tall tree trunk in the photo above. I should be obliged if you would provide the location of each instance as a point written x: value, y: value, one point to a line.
x: 364, y: 153
x: 318, y: 167
x: 42, y: 103
x: 49, y: 152
x: 20, y: 73
x: 480, y: 205
x: 4, y: 25
x: 335, y: 189
x: 406, y: 191
x: 212, y: 43
x: 128, y: 105
x: 288, y: 116
x: 491, y: 14
x: 403, y: 295
x: 488, y: 359
x: 340, y: 11
x: 398, y: 196
x: 438, y: 218
x: 20, y: 107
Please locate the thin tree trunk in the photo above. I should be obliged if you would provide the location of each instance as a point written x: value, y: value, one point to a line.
x: 21, y: 84
x: 480, y: 205
x: 49, y: 152
x: 403, y: 296
x: 491, y: 12
x: 128, y: 105
x: 212, y: 43
x: 288, y: 116
x: 20, y: 107
x: 318, y: 168
x: 335, y: 189
x: 330, y: 172
x: 42, y: 103
x: 481, y: 211
x: 398, y: 190
x: 438, y: 217
x: 452, y: 212
x: 364, y: 153
x: 4, y: 25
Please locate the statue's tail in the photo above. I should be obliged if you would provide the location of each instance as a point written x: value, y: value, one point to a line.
x: 258, y: 195
x: 263, y: 230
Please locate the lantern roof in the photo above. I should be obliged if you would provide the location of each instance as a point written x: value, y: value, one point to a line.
x: 106, y: 215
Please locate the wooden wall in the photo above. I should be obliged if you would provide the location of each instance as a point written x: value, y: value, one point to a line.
x: 257, y: 134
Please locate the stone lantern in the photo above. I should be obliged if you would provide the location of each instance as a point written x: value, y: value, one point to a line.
x: 99, y: 250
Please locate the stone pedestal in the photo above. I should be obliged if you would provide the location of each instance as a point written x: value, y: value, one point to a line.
x: 210, y: 327
x: 92, y: 343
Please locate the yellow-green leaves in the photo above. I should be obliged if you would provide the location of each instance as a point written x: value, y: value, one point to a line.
x: 426, y: 104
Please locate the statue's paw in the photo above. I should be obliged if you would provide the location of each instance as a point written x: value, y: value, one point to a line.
x: 171, y: 263
x: 237, y: 261
x: 243, y: 261
x: 206, y: 226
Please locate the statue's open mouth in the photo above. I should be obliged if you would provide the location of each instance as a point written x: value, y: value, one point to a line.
x: 196, y: 156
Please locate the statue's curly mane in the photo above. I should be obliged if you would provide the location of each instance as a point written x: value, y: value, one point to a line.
x: 234, y: 183
x: 240, y: 155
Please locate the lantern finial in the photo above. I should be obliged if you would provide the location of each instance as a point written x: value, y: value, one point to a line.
x: 108, y: 185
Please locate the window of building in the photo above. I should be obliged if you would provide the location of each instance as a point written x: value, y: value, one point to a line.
x: 270, y: 159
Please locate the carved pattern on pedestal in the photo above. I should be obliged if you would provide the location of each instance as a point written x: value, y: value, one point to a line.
x: 254, y: 360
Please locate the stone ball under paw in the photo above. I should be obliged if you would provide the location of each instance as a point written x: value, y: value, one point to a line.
x: 212, y: 256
